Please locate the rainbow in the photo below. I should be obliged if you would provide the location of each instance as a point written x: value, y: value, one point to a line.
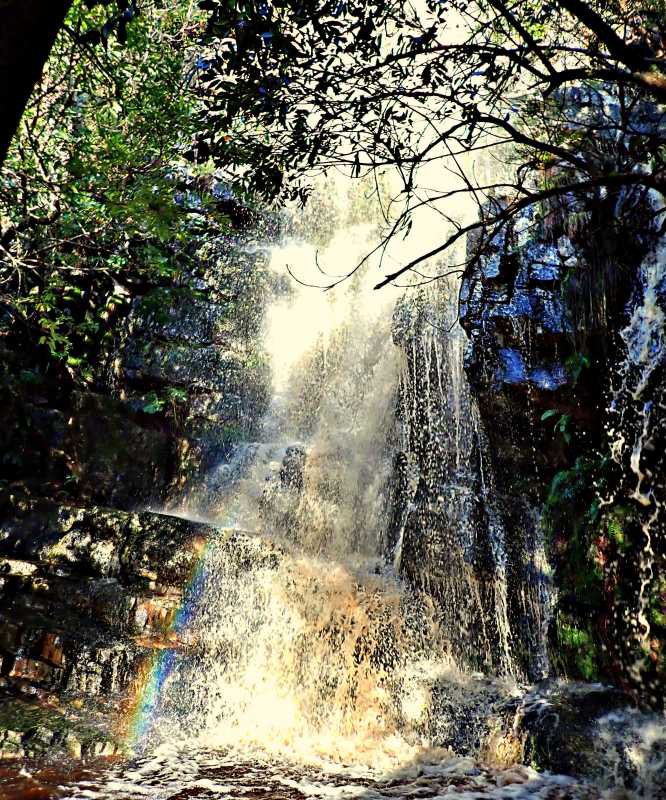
x: 138, y: 712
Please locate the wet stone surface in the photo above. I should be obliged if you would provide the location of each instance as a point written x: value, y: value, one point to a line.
x: 56, y: 730
x: 86, y: 598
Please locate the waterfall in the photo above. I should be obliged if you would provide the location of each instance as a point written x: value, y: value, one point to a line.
x: 323, y: 624
x: 636, y: 434
x: 301, y: 640
x: 451, y: 540
x: 360, y: 623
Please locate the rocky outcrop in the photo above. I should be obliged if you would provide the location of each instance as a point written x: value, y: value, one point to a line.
x: 29, y: 730
x: 86, y: 597
x: 550, y: 309
x: 586, y: 730
x: 529, y: 349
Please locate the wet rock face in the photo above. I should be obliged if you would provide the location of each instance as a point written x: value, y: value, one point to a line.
x: 28, y: 730
x: 453, y: 530
x: 542, y: 305
x: 552, y: 311
x: 520, y: 340
x: 113, y: 458
x: 194, y: 350
x: 293, y: 468
x: 85, y: 597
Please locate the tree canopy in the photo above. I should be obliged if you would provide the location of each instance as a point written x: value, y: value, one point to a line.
x: 562, y: 89
x: 562, y: 98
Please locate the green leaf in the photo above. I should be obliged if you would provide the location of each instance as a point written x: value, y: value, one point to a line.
x: 177, y: 395
x: 154, y: 404
x: 153, y: 407
x: 563, y: 422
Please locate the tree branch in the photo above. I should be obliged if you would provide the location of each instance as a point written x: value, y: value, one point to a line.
x: 509, y: 212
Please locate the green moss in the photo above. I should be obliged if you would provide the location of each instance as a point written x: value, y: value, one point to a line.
x: 579, y: 649
x: 587, y: 664
x: 27, y: 719
x: 573, y: 637
x: 658, y: 602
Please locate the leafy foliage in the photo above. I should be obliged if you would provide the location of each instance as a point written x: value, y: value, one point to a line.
x: 90, y: 211
x: 562, y: 424
x: 597, y: 550
x: 173, y: 397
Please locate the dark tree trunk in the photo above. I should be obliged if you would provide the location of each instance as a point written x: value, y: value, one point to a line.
x: 28, y: 29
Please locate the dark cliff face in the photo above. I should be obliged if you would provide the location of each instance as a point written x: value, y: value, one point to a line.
x: 552, y: 311
x: 459, y: 536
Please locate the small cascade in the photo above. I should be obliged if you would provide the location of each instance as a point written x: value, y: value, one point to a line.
x: 306, y: 660
x: 636, y: 436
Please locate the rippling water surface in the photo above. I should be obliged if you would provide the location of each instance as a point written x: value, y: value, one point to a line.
x: 175, y: 774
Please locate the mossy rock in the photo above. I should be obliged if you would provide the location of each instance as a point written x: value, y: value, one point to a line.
x: 104, y: 542
x: 28, y: 729
x: 558, y: 720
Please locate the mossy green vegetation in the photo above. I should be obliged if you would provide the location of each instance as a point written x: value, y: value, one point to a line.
x: 598, y: 548
x: 30, y: 729
x: 578, y: 649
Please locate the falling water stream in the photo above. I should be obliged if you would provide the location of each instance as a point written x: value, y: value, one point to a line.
x: 305, y: 666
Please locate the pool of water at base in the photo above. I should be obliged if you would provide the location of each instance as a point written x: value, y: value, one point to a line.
x: 172, y: 773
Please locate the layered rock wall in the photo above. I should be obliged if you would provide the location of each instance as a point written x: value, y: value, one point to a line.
x: 87, y: 595
x: 547, y: 316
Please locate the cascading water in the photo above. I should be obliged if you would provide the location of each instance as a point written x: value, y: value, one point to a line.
x: 303, y: 663
x: 636, y: 434
x: 302, y: 642
x: 454, y: 540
